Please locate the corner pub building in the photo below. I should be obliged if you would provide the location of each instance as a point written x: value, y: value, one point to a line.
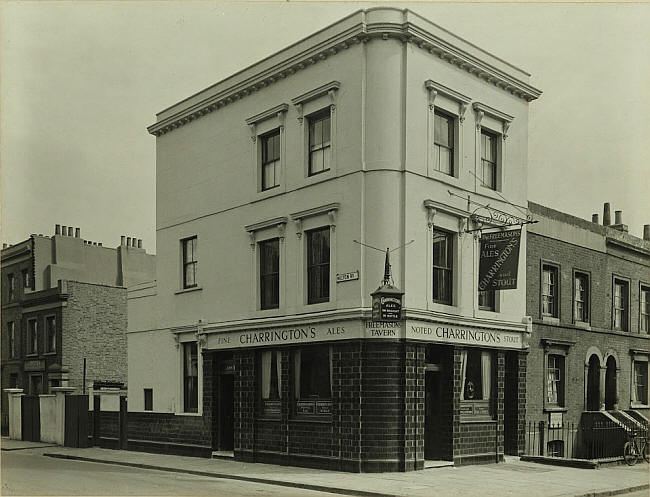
x: 258, y: 336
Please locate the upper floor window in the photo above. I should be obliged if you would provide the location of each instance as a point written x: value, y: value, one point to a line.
x: 550, y: 291
x: 644, y: 309
x: 620, y: 304
x: 190, y: 377
x: 489, y: 159
x: 581, y: 297
x: 26, y: 281
x: 32, y: 336
x: 318, y: 265
x: 11, y: 339
x: 50, y: 330
x: 269, y: 274
x: 271, y: 160
x: 11, y: 287
x: 443, y: 143
x: 319, y: 142
x: 442, y: 267
x: 189, y: 262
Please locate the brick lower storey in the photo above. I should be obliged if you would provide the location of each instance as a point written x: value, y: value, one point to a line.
x: 393, y: 404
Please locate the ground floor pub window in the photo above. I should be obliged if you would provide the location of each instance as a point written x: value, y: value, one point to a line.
x: 190, y: 377
x: 313, y: 380
x: 271, y: 382
x: 477, y: 388
x: 639, y: 390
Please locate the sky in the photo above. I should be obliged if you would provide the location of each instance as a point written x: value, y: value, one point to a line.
x: 81, y: 81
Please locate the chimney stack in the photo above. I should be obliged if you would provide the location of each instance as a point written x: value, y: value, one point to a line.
x: 618, y: 217
x: 4, y: 245
x: 139, y: 243
x: 70, y: 231
x: 99, y: 244
x: 594, y: 218
x: 122, y: 240
x: 646, y: 232
x: 77, y: 232
x: 57, y: 229
x: 607, y: 217
x: 64, y: 230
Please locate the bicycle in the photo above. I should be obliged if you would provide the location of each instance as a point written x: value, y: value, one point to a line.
x: 635, y: 448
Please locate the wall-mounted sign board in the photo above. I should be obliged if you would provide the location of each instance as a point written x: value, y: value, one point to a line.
x: 354, y: 275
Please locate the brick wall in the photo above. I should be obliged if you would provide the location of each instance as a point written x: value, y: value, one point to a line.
x: 601, y: 267
x: 94, y: 326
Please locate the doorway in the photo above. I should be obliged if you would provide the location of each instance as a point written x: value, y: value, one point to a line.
x: 610, y: 384
x: 593, y: 384
x: 223, y: 439
x: 432, y: 413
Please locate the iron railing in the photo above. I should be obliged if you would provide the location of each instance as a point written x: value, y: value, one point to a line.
x: 598, y: 440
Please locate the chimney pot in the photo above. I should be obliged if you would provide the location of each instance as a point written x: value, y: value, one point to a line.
x: 99, y: 244
x: 594, y: 218
x: 646, y: 232
x: 122, y: 240
x: 128, y: 241
x: 77, y: 232
x: 607, y: 216
x: 134, y: 242
x: 139, y: 243
x: 618, y: 217
x: 4, y: 245
x: 57, y: 229
x: 64, y: 230
x: 70, y: 231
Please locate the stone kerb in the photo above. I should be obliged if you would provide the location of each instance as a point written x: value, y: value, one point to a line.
x: 15, y: 413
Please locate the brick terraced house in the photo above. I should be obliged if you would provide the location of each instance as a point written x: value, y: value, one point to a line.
x: 589, y: 299
x: 258, y: 337
x: 63, y: 300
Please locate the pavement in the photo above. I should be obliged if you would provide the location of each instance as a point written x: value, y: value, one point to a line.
x: 512, y: 478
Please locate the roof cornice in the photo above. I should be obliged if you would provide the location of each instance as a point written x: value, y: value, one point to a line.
x: 361, y: 31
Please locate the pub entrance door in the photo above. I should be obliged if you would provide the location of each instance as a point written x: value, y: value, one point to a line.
x: 224, y: 391
x: 432, y: 413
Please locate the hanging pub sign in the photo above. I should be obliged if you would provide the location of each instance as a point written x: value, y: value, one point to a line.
x: 499, y: 260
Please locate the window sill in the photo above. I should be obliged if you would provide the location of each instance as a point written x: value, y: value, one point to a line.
x: 449, y: 179
x: 311, y: 419
x: 30, y: 356
x: 52, y: 353
x: 555, y: 409
x: 550, y: 320
x: 188, y: 414
x: 269, y: 192
x: 586, y: 325
x: 634, y: 405
x: 476, y: 419
x: 188, y: 290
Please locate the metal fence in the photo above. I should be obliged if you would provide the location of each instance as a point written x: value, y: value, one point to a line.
x: 599, y: 440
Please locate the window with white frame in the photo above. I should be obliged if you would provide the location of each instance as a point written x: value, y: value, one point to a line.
x: 555, y: 380
x: 50, y: 333
x: 489, y: 159
x: 639, y: 390
x: 26, y: 279
x: 190, y: 262
x: 644, y: 309
x: 487, y: 300
x: 550, y: 291
x: 443, y: 272
x: 32, y: 336
x: 269, y: 251
x: 312, y: 375
x: 270, y: 144
x: 190, y: 377
x: 620, y: 305
x: 319, y: 142
x: 11, y: 287
x: 581, y: 297
x: 318, y: 265
x: 443, y: 143
x: 271, y: 382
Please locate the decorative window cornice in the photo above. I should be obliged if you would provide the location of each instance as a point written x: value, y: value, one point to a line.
x: 329, y: 209
x: 553, y: 342
x: 277, y: 222
x: 434, y: 207
x: 359, y: 32
x: 332, y: 86
x: 485, y: 110
x: 272, y: 112
x: 434, y: 89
